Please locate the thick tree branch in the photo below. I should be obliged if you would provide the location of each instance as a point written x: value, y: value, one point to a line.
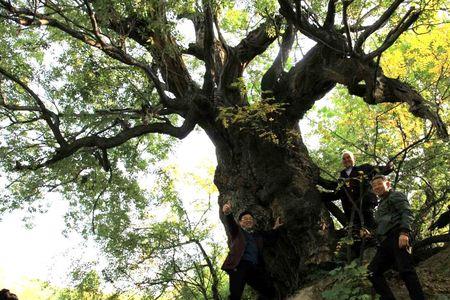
x: 337, y: 213
x: 329, y: 19
x: 376, y: 25
x: 222, y: 40
x: 443, y: 238
x: 94, y: 23
x: 393, y: 90
x: 257, y: 41
x: 218, y: 49
x: 195, y: 50
x: 209, y: 50
x: 104, y: 143
x: 271, y: 76
x: 306, y: 82
x: 301, y: 19
x: 157, y: 42
x: 221, y: 51
x: 395, y: 33
x: 345, y: 5
x: 238, y: 57
x: 351, y: 72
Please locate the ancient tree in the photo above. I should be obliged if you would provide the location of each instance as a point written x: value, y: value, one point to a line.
x: 263, y: 164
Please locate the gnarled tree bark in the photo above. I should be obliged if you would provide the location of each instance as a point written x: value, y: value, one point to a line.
x: 273, y: 177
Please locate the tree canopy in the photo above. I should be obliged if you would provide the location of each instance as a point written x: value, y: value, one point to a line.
x: 94, y: 94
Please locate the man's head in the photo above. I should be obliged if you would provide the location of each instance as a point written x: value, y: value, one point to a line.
x: 348, y: 159
x: 7, y: 295
x: 380, y: 185
x: 246, y: 220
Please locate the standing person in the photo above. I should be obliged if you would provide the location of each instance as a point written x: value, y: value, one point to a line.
x: 244, y: 263
x: 394, y: 218
x: 354, y: 191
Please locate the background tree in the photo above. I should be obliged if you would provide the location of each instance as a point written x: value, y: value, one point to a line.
x: 122, y: 82
x: 171, y: 251
x: 387, y: 133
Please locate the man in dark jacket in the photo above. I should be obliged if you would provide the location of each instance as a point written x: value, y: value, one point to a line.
x: 358, y: 201
x: 244, y: 263
x: 394, y: 218
x: 353, y: 189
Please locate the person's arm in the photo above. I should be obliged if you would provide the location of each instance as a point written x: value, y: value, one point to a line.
x: 387, y: 169
x: 368, y: 169
x: 402, y: 206
x: 327, y: 184
x: 274, y: 232
x: 231, y: 224
x: 278, y: 224
x: 374, y: 170
x: 406, y: 218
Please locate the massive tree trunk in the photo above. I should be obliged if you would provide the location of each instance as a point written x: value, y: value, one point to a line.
x: 276, y: 181
x: 266, y: 168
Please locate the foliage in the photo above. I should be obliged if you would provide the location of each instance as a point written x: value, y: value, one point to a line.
x: 87, y: 287
x: 254, y: 119
x: 349, y: 282
x: 167, y: 248
x: 385, y: 131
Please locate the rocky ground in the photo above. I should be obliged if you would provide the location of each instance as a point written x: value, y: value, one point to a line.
x: 434, y: 274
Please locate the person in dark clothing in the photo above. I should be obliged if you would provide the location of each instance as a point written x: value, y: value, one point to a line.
x: 358, y: 201
x: 394, y: 218
x: 244, y: 263
x: 5, y: 294
x: 353, y: 189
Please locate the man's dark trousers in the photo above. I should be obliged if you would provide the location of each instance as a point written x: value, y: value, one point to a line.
x: 255, y: 276
x: 389, y: 255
